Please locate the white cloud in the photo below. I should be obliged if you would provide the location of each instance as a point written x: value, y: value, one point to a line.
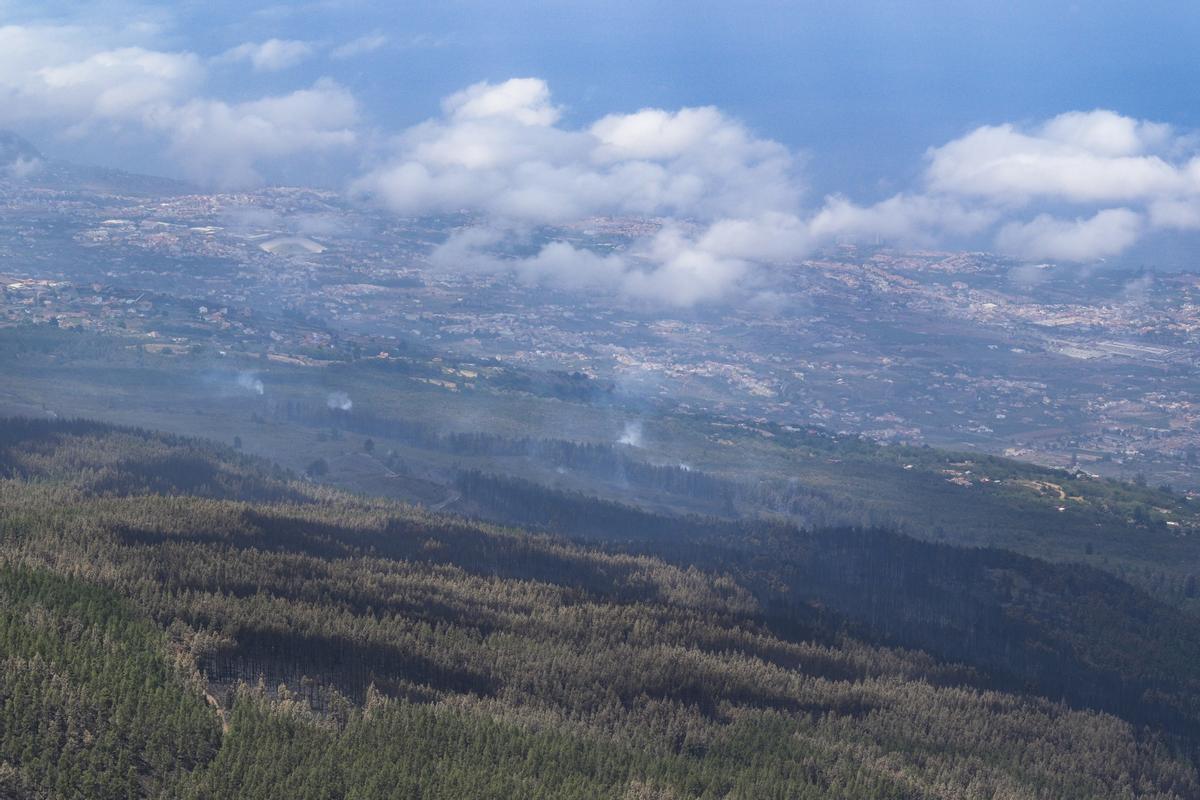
x: 771, y: 236
x: 1107, y: 233
x: 497, y: 148
x: 1086, y: 159
x: 685, y: 272
x: 523, y: 100
x: 730, y: 202
x: 913, y: 219
x: 500, y: 150
x: 272, y: 55
x: 79, y: 82
x: 1178, y: 214
x: 224, y: 143
x: 671, y: 268
x: 52, y: 73
x: 360, y: 46
x: 1106, y: 133
x: 1079, y: 157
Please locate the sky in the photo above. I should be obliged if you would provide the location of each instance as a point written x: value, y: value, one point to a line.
x: 757, y: 130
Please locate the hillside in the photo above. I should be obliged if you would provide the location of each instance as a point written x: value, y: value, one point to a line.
x: 20, y: 160
x: 563, y: 436
x: 356, y: 647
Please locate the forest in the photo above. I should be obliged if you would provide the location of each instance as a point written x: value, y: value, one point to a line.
x: 180, y: 619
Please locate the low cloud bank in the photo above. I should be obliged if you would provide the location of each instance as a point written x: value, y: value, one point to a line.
x: 729, y: 203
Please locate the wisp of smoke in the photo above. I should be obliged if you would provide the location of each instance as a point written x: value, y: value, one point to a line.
x: 250, y: 382
x: 1139, y: 290
x: 632, y: 434
x: 339, y: 401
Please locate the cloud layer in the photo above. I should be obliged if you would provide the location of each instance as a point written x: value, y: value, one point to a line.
x: 730, y: 202
x: 1091, y: 157
x: 498, y: 149
x: 724, y: 196
x: 269, y: 56
x: 1126, y: 177
x: 726, y: 204
x: 84, y: 84
x: 1104, y: 234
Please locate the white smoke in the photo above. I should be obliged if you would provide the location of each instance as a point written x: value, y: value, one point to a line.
x: 250, y: 382
x: 339, y: 401
x: 22, y: 168
x: 1138, y: 291
x: 632, y: 435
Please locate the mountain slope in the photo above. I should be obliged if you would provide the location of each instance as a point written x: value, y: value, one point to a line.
x: 361, y: 647
x: 14, y: 149
x: 425, y: 438
x: 21, y: 160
